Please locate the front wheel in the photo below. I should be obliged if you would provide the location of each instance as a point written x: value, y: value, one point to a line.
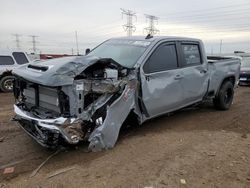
x: 224, y: 98
x: 6, y: 83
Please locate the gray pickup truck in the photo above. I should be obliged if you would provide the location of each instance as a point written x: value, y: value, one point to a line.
x: 89, y: 97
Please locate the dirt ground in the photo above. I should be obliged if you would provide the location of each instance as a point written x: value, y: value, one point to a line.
x: 198, y: 147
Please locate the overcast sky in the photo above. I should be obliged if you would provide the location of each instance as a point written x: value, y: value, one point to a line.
x: 55, y: 22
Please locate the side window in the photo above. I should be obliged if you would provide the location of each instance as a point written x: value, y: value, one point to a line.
x: 20, y: 57
x: 6, y: 60
x: 163, y: 58
x: 191, y: 54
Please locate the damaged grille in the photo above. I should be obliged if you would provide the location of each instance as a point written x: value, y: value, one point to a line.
x: 75, y: 101
x: 42, y: 97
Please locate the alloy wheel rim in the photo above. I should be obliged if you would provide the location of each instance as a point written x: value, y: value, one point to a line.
x: 8, y: 84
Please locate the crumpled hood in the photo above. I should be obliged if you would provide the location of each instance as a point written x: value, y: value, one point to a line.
x: 55, y: 72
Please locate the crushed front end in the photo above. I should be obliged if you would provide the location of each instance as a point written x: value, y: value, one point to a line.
x: 68, y: 105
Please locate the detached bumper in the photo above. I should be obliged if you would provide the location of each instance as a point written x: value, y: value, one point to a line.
x: 47, y: 132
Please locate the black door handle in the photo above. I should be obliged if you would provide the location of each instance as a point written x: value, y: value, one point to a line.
x: 178, y: 77
x: 147, y: 77
x: 203, y: 71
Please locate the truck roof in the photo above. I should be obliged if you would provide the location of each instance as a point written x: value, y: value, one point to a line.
x: 156, y: 38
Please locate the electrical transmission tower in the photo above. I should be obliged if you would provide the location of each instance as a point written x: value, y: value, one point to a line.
x: 77, y: 47
x: 151, y: 28
x: 129, y: 27
x: 220, y: 45
x: 17, y: 36
x: 34, y: 42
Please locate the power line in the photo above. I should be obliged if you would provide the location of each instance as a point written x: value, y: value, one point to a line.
x: 206, y: 19
x: 151, y: 28
x: 209, y: 13
x: 112, y: 23
x: 17, y: 40
x: 211, y: 16
x: 210, y: 9
x: 187, y: 26
x: 212, y: 33
x: 231, y: 19
x: 34, y: 42
x: 129, y: 27
x: 206, y: 12
x: 217, y: 29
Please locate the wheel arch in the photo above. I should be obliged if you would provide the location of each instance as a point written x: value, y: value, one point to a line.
x: 230, y: 78
x: 6, y: 73
x: 132, y: 118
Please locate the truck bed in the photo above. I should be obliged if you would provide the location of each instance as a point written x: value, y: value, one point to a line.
x: 217, y: 59
x: 220, y: 68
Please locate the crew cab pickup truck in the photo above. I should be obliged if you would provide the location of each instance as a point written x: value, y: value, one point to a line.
x: 89, y: 97
x: 10, y: 60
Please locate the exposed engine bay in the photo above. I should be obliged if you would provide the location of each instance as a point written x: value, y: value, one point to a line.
x: 89, y: 102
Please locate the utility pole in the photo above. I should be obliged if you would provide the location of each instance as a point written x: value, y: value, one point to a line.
x: 17, y: 40
x: 151, y: 28
x: 129, y: 27
x: 34, y: 42
x: 220, y: 46
x: 77, y: 49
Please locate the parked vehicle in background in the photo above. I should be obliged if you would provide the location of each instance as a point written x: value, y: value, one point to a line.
x: 131, y: 78
x: 9, y: 60
x: 245, y: 71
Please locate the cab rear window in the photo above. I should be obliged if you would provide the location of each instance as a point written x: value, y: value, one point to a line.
x: 20, y: 57
x: 6, y: 60
x: 191, y: 54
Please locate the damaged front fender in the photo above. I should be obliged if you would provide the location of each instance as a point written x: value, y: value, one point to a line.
x: 83, y: 98
x: 105, y: 136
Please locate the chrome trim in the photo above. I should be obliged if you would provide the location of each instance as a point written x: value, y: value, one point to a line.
x: 52, y: 124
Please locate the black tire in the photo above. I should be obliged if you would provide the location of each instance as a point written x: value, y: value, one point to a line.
x: 6, y: 83
x: 224, y: 98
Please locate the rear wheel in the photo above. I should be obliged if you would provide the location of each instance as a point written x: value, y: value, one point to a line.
x: 6, y: 83
x: 224, y: 98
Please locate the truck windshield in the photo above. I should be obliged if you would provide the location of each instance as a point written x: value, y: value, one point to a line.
x: 245, y: 62
x: 124, y: 52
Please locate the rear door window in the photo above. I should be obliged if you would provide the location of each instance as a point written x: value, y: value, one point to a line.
x: 163, y: 58
x: 20, y: 57
x: 6, y: 60
x: 191, y: 54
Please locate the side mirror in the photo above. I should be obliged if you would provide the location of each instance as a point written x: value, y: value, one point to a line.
x: 87, y: 51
